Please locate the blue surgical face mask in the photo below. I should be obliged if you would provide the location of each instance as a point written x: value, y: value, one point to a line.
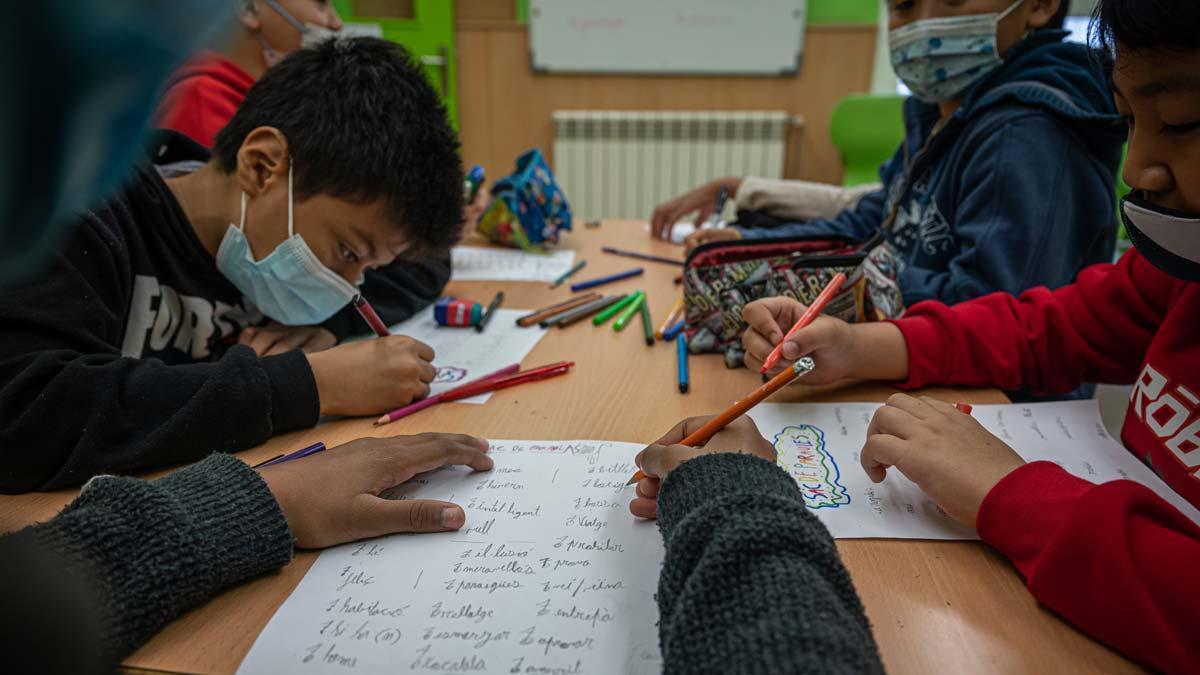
x: 290, y: 285
x: 940, y: 60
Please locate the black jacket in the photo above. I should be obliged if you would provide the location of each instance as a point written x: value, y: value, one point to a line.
x: 120, y: 353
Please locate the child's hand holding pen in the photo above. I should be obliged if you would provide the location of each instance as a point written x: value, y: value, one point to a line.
x: 660, y: 459
x: 867, y: 351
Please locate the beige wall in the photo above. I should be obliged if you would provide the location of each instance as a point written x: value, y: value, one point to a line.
x: 504, y: 108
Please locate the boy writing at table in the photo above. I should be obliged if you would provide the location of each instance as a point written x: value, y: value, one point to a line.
x: 117, y: 355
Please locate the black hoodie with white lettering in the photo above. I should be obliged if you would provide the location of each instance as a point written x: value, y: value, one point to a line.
x: 121, y: 354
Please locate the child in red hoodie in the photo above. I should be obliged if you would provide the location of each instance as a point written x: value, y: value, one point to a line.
x: 205, y: 92
x: 1114, y: 559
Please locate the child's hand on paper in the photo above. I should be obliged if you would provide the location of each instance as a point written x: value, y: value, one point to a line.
x: 874, y: 351
x: 275, y: 338
x: 332, y: 497
x: 947, y: 453
x: 665, y: 455
x: 702, y: 200
x: 372, y: 376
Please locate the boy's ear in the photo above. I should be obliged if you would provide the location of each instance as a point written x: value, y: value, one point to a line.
x: 262, y: 160
x: 1041, y: 12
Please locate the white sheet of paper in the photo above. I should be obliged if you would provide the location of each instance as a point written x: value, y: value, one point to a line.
x: 550, y: 575
x: 477, y: 263
x: 463, y: 354
x: 819, y: 446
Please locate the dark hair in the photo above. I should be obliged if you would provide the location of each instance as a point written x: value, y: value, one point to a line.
x: 362, y: 124
x: 1147, y: 24
x: 1060, y: 17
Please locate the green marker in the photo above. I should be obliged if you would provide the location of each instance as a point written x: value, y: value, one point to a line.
x: 647, y: 327
x: 629, y: 311
x: 612, y: 311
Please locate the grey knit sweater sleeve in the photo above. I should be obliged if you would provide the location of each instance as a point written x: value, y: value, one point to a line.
x: 144, y: 551
x: 752, y: 582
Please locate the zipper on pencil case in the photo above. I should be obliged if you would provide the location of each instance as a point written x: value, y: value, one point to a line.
x: 727, y: 252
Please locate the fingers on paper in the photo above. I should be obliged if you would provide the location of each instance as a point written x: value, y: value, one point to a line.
x: 374, y: 516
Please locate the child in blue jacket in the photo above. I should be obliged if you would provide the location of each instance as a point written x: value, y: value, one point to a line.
x: 1006, y: 177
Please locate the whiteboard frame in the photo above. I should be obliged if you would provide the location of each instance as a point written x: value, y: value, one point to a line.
x: 540, y: 64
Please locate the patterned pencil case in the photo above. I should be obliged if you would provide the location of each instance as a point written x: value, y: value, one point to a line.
x: 528, y: 210
x: 721, y: 278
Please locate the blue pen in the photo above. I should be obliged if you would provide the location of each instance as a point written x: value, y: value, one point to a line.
x: 303, y: 452
x: 681, y: 350
x: 592, y: 283
x: 670, y: 333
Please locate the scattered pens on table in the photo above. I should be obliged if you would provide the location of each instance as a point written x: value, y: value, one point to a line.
x: 600, y: 281
x: 647, y: 326
x: 670, y: 320
x: 814, y: 310
x: 701, y: 435
x: 569, y: 273
x: 681, y: 354
x: 438, y: 398
x: 612, y: 311
x: 641, y: 256
x: 547, y: 312
x: 674, y: 330
x: 506, y: 381
x: 491, y: 309
x: 630, y: 309
x: 582, y: 312
x: 304, y: 452
x: 367, y: 312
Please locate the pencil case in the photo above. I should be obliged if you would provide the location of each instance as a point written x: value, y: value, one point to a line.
x: 721, y: 278
x: 528, y: 210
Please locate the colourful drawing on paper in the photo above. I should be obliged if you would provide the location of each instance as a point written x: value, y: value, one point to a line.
x: 449, y: 375
x: 802, y: 453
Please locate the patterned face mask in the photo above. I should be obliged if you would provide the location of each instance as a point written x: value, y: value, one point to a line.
x: 940, y: 60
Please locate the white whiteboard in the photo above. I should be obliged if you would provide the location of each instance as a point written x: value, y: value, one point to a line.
x: 750, y: 37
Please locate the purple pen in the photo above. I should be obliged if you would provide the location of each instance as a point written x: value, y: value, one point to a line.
x: 304, y: 452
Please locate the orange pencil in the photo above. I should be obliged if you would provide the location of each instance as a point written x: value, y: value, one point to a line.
x: 671, y: 316
x: 814, y: 310
x: 701, y: 435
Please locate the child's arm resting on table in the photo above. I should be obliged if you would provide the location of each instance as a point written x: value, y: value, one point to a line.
x: 1113, y: 559
x: 71, y: 406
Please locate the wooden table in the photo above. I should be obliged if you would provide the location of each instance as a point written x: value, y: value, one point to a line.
x: 936, y: 606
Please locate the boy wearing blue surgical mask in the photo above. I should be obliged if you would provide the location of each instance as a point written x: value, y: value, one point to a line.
x: 340, y: 159
x: 1006, y: 177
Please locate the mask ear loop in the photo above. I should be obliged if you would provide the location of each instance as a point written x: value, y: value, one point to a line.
x: 291, y: 230
x: 242, y: 222
x: 1011, y: 8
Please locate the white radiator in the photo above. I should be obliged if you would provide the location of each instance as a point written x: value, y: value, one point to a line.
x: 623, y: 163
